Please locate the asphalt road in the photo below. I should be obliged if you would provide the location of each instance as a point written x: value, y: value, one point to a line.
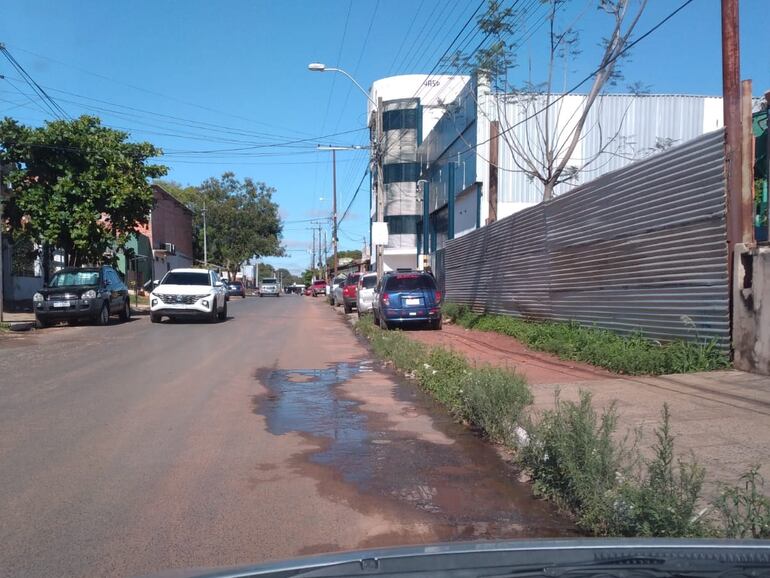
x: 134, y: 448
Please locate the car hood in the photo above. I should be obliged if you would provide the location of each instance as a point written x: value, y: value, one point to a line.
x: 183, y: 289
x: 534, y: 558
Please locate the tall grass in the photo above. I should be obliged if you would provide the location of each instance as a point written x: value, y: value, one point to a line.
x: 631, y: 354
x: 574, y: 454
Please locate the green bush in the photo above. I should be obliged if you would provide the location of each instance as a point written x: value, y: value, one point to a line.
x: 662, y: 500
x: 489, y: 398
x: 631, y: 354
x: 575, y: 462
x: 744, y: 510
x: 494, y: 399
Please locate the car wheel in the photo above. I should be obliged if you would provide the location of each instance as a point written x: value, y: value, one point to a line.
x: 376, y: 319
x: 260, y: 294
x: 436, y: 323
x: 384, y: 324
x: 104, y: 315
x: 154, y: 318
x: 243, y: 296
x: 348, y: 308
x: 125, y: 314
x: 41, y: 324
x: 222, y: 315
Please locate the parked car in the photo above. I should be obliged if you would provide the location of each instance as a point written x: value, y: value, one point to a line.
x: 189, y: 293
x: 407, y: 298
x: 335, y: 291
x: 349, y: 291
x: 269, y: 286
x: 365, y: 294
x: 318, y: 288
x: 236, y: 289
x: 77, y: 293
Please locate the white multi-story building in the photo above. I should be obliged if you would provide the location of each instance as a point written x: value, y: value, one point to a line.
x: 461, y: 138
x: 411, y: 106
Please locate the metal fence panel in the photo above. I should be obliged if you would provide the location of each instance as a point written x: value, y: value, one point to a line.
x: 642, y: 248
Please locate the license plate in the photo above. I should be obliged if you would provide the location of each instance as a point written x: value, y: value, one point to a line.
x: 412, y: 301
x: 61, y: 303
x: 413, y: 313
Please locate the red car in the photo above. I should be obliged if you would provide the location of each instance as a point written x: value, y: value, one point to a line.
x: 350, y: 291
x: 318, y: 288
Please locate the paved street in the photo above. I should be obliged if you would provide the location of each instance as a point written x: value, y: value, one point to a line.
x: 134, y: 448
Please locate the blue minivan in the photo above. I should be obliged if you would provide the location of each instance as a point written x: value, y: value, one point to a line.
x: 406, y: 298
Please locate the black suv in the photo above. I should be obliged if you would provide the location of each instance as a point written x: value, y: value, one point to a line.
x: 76, y: 293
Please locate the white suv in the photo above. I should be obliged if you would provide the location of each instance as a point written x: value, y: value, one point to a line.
x: 189, y: 293
x: 269, y: 286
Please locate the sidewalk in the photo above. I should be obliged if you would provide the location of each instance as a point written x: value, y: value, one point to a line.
x: 19, y: 321
x: 722, y: 417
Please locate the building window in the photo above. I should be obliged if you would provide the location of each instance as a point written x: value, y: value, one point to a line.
x: 399, y: 119
x: 402, y: 224
x: 401, y: 173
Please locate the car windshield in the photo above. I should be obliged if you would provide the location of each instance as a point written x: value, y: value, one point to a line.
x: 74, y: 278
x: 517, y: 221
x: 409, y: 283
x: 186, y: 278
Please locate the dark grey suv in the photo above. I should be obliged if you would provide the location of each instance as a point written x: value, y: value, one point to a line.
x: 77, y: 293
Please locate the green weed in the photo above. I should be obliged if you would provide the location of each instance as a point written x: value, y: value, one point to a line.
x: 744, y: 510
x: 629, y: 354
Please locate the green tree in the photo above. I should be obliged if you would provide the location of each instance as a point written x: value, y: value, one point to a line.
x: 76, y: 186
x: 266, y: 270
x: 285, y: 276
x: 545, y: 154
x: 241, y: 219
x: 350, y: 254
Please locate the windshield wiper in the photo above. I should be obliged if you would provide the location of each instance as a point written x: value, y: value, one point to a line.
x: 642, y: 567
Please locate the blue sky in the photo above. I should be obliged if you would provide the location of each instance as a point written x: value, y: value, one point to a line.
x: 194, y: 77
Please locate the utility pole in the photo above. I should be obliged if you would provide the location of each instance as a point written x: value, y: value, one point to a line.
x: 312, y: 258
x: 205, y: 243
x: 325, y: 253
x: 334, y: 150
x: 379, y: 151
x: 731, y: 92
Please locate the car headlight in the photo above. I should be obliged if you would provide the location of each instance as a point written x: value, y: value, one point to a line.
x: 38, y: 297
x: 90, y: 294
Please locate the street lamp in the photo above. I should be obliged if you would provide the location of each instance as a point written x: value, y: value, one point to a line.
x: 319, y: 67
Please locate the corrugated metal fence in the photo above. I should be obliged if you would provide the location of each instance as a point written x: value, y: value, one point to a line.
x: 642, y: 248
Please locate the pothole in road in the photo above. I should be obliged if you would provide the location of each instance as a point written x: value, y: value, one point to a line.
x: 459, y: 486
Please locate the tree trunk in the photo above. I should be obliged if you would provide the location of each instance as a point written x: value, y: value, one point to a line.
x: 548, y: 191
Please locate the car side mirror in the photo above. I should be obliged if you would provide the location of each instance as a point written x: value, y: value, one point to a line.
x: 218, y: 284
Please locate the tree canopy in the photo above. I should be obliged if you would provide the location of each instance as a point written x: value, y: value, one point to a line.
x: 241, y: 219
x: 76, y: 185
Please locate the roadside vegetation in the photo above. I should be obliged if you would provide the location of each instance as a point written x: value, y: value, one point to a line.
x: 575, y: 455
x: 632, y: 355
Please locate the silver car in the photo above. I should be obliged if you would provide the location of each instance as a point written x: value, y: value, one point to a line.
x: 269, y: 286
x: 365, y: 295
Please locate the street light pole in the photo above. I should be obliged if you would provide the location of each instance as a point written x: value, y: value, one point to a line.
x: 380, y: 184
x: 377, y: 150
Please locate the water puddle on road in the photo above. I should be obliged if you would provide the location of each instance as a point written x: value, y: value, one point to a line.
x: 463, y: 488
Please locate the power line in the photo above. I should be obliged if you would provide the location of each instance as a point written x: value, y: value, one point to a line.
x: 339, y: 222
x: 589, y: 76
x: 57, y: 110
